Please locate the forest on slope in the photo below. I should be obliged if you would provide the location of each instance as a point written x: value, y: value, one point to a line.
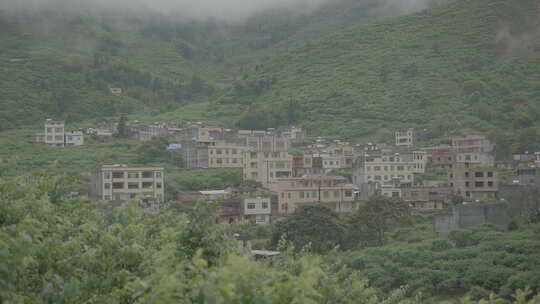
x: 462, y: 66
x: 58, y: 61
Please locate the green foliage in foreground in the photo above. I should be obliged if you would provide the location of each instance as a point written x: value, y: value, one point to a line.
x: 55, y: 251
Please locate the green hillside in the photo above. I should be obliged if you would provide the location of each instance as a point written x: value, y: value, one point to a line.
x: 61, y: 66
x: 59, y: 62
x: 467, y: 65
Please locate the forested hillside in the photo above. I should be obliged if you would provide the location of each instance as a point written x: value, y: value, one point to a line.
x: 452, y: 68
x: 59, y: 61
x: 466, y: 65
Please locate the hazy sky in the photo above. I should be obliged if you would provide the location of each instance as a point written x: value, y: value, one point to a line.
x: 230, y: 10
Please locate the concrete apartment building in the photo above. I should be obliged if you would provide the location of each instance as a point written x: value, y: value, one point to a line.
x: 442, y: 156
x: 382, y: 169
x: 405, y: 138
x: 121, y: 183
x: 195, y: 154
x: 74, y: 138
x: 55, y: 135
x: 258, y: 210
x: 333, y: 191
x: 222, y: 154
x: 144, y: 132
x: 266, y: 157
x: 303, y: 164
x: 473, y: 182
x: 472, y: 143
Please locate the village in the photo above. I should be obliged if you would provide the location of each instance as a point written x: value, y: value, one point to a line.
x: 285, y: 168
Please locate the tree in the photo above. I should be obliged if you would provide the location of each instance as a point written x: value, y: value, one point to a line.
x: 378, y: 215
x: 122, y: 128
x: 315, y: 225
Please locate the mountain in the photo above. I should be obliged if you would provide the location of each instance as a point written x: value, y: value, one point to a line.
x: 58, y: 60
x: 356, y: 69
x: 467, y: 65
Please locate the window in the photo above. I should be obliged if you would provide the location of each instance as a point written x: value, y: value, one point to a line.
x: 107, y: 175
x: 395, y: 194
x: 348, y: 193
x: 251, y: 205
x: 264, y: 205
x: 219, y: 161
x: 70, y: 137
x: 466, y: 174
x: 218, y: 151
x: 288, y: 195
x: 478, y: 174
x: 58, y: 137
x: 133, y: 174
x: 301, y: 194
x: 490, y: 184
x: 234, y: 160
x: 107, y: 197
x: 467, y: 184
x: 49, y: 130
x: 118, y: 185
x: 479, y: 184
x: 275, y: 154
x: 147, y: 185
x: 59, y: 130
x: 490, y: 174
x: 133, y: 185
x: 400, y: 168
x: 336, y: 193
x: 107, y: 186
x: 314, y: 194
x: 49, y: 137
x: 377, y: 168
x: 147, y: 174
x: 158, y: 185
x: 118, y: 174
x: 158, y: 174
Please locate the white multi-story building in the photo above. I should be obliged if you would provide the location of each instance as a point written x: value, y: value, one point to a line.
x: 54, y: 133
x: 74, y: 138
x: 259, y: 208
x: 385, y: 168
x: 121, y: 183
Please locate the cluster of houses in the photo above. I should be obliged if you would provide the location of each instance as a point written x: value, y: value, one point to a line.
x: 283, y: 170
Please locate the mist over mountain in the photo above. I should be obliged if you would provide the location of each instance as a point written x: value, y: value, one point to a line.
x: 229, y: 10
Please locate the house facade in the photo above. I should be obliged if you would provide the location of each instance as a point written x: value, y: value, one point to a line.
x: 333, y: 191
x: 122, y: 183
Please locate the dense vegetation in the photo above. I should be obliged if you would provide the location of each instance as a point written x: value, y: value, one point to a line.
x: 393, y: 248
x: 74, y: 251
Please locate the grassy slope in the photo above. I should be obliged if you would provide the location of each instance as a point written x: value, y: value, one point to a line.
x: 418, y: 70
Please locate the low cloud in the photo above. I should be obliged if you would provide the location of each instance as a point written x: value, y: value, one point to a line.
x: 226, y: 10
